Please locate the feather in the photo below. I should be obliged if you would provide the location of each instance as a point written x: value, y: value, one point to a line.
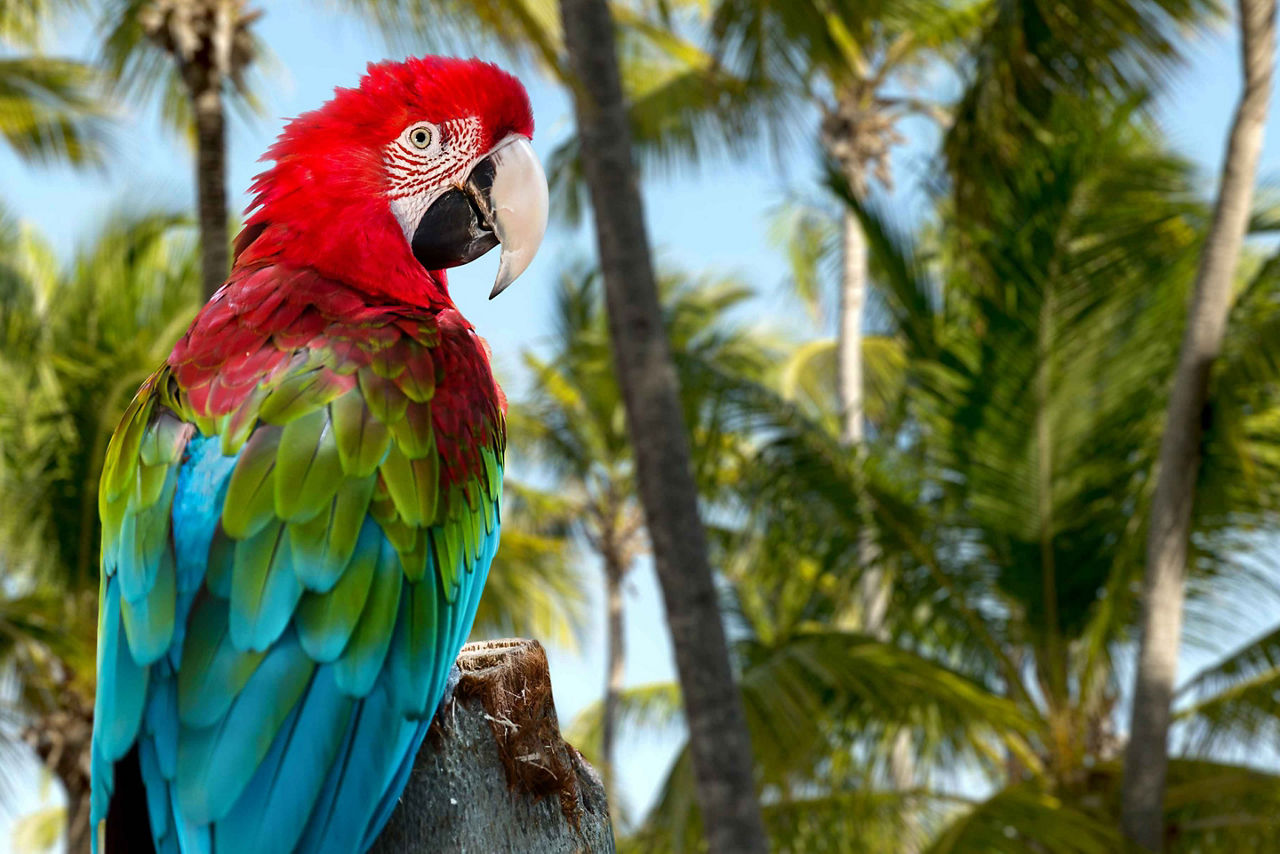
x: 362, y: 439
x: 144, y: 540
x: 200, y: 495
x: 419, y: 646
x: 149, y: 620
x: 264, y: 587
x: 122, y: 682
x: 308, y: 471
x: 418, y: 382
x: 273, y: 810
x: 376, y: 743
x: 216, y: 762
x: 213, y: 671
x: 362, y: 659
x: 413, y: 485
x: 250, y: 501
x: 383, y: 398
x: 327, y: 620
x: 323, y: 545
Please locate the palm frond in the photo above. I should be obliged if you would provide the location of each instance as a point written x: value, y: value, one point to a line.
x: 50, y: 111
x: 527, y: 30
x: 1237, y: 698
x: 1026, y: 819
x: 801, y: 691
x: 683, y: 109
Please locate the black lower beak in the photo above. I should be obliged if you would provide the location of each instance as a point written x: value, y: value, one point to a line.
x: 457, y: 228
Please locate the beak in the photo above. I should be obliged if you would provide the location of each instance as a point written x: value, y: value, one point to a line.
x: 504, y: 201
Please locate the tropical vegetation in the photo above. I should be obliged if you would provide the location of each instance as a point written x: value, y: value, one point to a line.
x: 902, y: 530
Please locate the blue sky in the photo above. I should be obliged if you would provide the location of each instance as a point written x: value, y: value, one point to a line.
x: 713, y: 218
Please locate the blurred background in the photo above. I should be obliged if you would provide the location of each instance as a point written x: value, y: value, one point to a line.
x: 926, y: 268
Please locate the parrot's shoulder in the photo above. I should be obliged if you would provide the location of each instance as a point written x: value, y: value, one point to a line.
x: 276, y: 343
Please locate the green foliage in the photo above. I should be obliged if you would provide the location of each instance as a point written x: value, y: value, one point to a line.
x: 48, y: 111
x: 573, y: 421
x: 50, y: 108
x: 78, y: 341
x: 1025, y: 819
x: 528, y: 30
x: 1030, y: 339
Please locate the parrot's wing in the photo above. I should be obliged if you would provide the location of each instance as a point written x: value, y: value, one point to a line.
x: 286, y: 585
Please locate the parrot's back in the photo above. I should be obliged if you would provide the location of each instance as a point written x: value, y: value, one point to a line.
x: 299, y: 512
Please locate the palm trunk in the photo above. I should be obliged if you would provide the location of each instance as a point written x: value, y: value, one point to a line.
x: 615, y: 646
x: 874, y: 591
x: 853, y: 299
x: 719, y: 743
x: 1146, y: 758
x: 211, y: 188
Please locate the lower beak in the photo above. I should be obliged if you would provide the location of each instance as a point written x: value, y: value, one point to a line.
x: 504, y: 201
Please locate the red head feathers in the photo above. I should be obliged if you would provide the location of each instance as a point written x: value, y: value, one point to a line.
x: 400, y: 166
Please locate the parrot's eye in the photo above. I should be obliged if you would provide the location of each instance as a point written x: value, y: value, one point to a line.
x: 422, y: 136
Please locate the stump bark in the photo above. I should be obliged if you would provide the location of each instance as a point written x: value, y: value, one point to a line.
x: 494, y: 774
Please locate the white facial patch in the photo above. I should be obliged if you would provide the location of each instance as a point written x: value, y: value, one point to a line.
x: 420, y: 173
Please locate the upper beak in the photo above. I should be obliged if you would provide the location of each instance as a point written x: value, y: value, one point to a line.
x: 504, y: 201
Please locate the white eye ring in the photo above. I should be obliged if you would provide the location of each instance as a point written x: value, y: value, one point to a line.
x: 421, y: 136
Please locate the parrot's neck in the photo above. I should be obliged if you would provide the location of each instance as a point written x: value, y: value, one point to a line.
x: 357, y: 243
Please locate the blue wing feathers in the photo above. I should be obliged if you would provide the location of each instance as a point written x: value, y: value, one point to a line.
x: 122, y: 685
x: 162, y: 721
x: 306, y: 744
x: 264, y: 588
x: 149, y: 619
x: 278, y: 801
x: 387, y: 804
x: 216, y: 762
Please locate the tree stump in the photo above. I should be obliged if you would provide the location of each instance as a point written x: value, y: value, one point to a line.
x: 494, y: 774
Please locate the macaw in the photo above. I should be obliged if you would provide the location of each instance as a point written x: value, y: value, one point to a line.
x: 299, y: 508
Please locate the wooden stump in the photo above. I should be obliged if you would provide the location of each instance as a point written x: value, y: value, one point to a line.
x: 494, y: 775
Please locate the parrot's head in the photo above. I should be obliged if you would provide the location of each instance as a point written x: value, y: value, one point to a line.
x: 425, y: 165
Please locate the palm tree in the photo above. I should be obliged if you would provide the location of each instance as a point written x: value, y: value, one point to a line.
x: 1030, y: 54
x: 573, y: 424
x: 196, y: 52
x: 1054, y: 459
x: 48, y: 108
x: 851, y: 63
x: 855, y: 65
x: 1178, y: 466
x: 1008, y: 487
x: 720, y: 744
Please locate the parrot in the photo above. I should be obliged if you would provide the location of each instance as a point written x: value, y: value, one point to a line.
x: 300, y: 506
